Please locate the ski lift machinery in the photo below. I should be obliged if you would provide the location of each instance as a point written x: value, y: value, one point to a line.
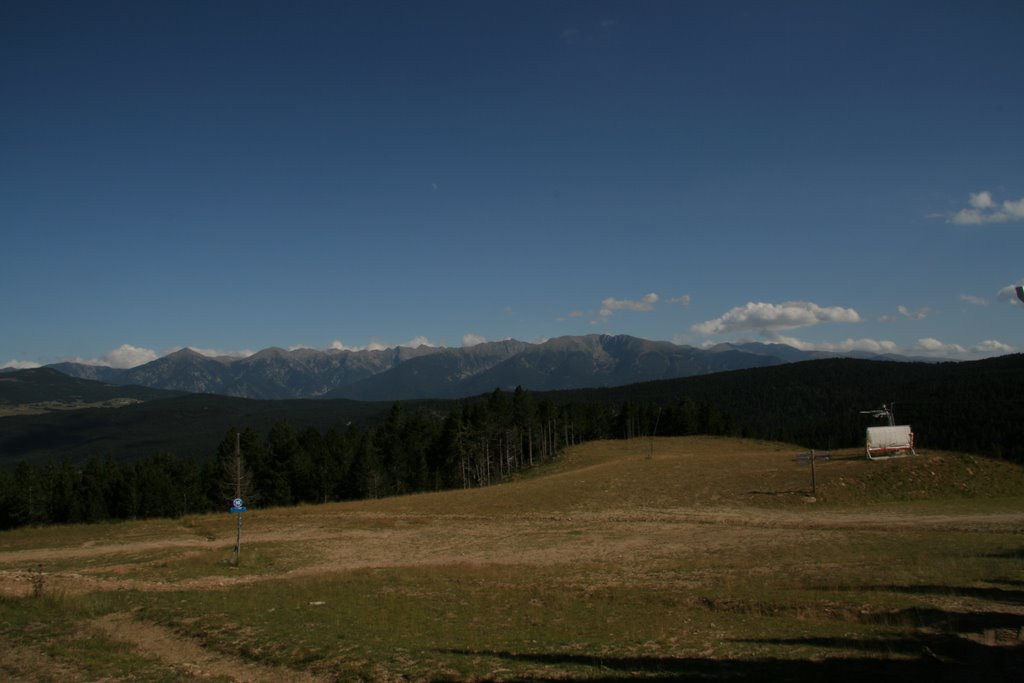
x: 889, y: 441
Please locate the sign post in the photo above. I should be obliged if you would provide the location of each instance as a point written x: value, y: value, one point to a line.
x: 811, y: 458
x: 238, y: 507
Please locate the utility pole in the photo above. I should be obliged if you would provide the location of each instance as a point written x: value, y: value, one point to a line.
x: 814, y: 478
x: 653, y: 432
x: 238, y: 495
x: 238, y: 505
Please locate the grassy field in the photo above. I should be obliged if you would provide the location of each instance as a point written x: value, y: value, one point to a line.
x: 699, y: 558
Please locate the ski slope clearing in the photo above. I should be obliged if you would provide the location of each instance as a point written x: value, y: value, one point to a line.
x: 671, y: 559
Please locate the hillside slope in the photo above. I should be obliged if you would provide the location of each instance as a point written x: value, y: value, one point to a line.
x: 702, y: 561
x: 700, y: 472
x: 41, y: 389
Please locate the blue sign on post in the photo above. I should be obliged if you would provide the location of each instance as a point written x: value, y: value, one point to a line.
x: 237, y: 505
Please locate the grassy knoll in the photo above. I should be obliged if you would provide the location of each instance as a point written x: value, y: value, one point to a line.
x: 707, y: 558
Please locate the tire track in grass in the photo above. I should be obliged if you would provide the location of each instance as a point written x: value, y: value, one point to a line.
x: 187, y: 657
x: 24, y: 663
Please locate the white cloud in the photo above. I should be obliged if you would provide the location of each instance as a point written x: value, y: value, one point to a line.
x: 766, y: 318
x: 123, y: 357
x: 873, y: 345
x: 414, y: 343
x: 1015, y: 210
x: 933, y: 346
x: 1009, y: 293
x: 993, y: 347
x: 377, y: 345
x: 683, y: 340
x: 869, y: 345
x: 470, y: 339
x: 19, y: 364
x: 419, y: 341
x: 919, y: 314
x: 644, y: 303
x: 974, y: 300
x: 981, y: 200
x: 984, y: 209
x: 128, y: 356
x: 989, y: 347
x: 338, y: 345
x: 927, y: 346
x: 972, y: 217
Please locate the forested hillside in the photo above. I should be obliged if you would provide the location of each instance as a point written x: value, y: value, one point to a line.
x: 969, y: 406
x: 477, y: 443
x: 298, y: 456
x: 46, y: 385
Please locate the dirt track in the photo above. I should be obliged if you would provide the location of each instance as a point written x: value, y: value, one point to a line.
x: 188, y: 659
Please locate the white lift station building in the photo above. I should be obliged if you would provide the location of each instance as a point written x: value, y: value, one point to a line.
x: 885, y: 442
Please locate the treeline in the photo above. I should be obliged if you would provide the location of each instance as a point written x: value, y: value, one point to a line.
x: 975, y: 407
x: 971, y: 407
x: 477, y: 443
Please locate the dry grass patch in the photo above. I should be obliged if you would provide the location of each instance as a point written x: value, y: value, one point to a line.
x: 705, y: 560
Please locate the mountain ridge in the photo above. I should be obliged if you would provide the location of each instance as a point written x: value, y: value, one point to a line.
x: 406, y: 373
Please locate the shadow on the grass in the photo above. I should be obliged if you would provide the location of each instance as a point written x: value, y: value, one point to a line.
x: 934, y: 659
x: 936, y: 645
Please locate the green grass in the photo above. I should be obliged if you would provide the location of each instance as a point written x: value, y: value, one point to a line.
x: 68, y: 536
x: 473, y: 620
x: 707, y: 560
x: 57, y: 628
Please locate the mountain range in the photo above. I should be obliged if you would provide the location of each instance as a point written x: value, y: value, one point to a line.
x: 405, y: 373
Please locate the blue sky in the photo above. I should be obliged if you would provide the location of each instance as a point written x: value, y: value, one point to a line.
x: 230, y: 176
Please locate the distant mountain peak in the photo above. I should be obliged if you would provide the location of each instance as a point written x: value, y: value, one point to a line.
x: 186, y: 352
x: 405, y: 372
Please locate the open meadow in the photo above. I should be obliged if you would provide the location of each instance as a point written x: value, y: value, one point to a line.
x: 688, y: 558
